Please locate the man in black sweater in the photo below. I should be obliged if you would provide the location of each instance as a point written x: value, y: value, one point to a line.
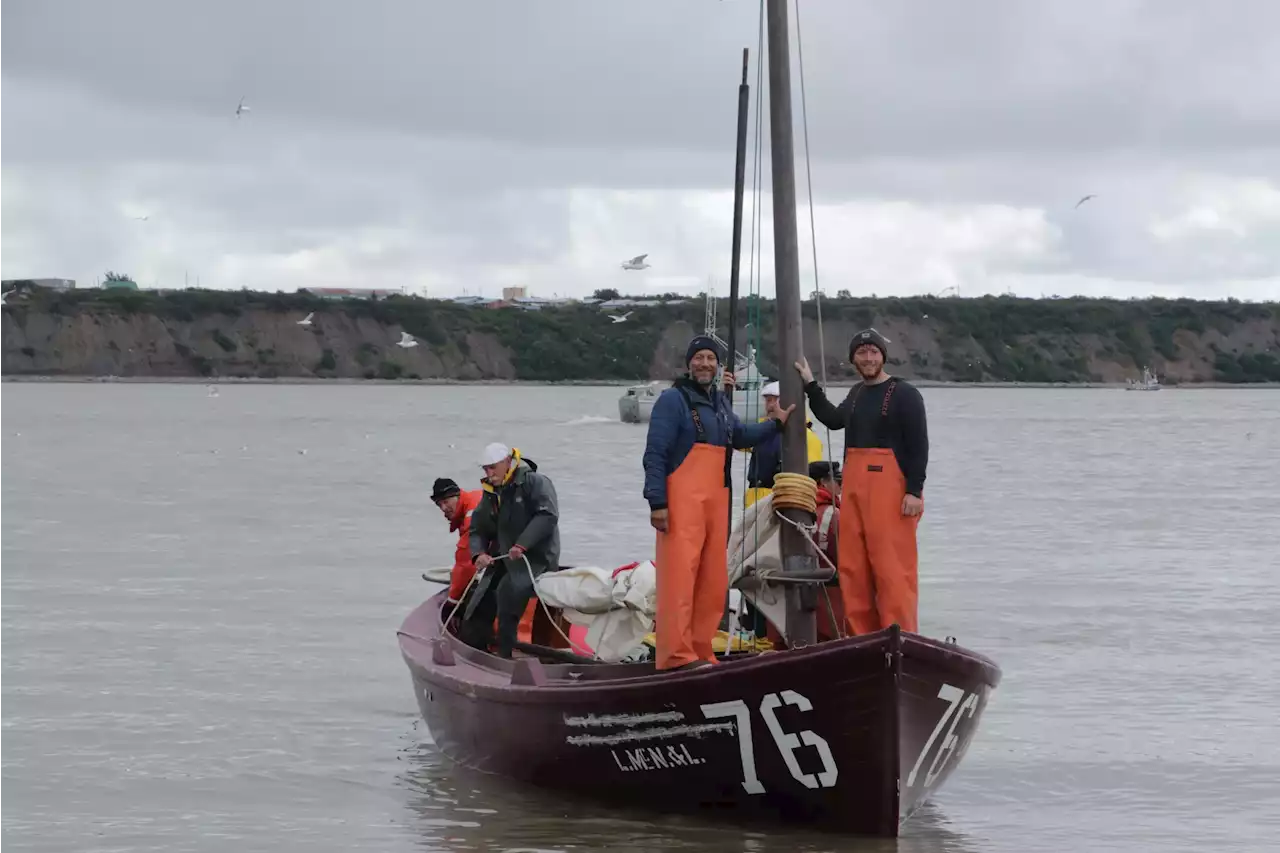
x: 886, y: 451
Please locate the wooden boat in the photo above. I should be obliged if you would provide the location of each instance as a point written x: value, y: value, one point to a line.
x: 852, y: 734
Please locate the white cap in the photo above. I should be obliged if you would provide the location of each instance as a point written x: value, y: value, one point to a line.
x: 494, y: 453
x: 773, y: 389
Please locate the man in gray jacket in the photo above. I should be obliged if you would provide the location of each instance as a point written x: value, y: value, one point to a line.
x: 518, y: 517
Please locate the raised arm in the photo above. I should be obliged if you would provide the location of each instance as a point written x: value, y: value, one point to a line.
x: 664, y: 427
x: 915, y: 439
x: 830, y: 416
x: 546, y: 511
x: 753, y: 435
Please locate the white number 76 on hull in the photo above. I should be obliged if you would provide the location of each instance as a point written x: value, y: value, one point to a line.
x: 958, y: 702
x: 787, y: 742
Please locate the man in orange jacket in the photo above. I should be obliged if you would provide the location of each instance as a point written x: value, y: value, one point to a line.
x: 457, y: 506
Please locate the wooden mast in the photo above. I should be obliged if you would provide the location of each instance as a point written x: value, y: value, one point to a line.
x: 798, y: 558
x: 735, y: 256
x: 735, y: 259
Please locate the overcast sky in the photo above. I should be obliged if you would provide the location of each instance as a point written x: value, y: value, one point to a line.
x: 462, y: 146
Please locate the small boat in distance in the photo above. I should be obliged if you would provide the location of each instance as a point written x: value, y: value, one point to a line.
x: 1148, y: 382
x: 636, y: 403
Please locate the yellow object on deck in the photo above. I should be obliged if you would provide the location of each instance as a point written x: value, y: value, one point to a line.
x: 759, y: 644
x: 815, y: 446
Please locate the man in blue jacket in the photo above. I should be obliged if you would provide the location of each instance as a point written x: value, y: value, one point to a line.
x: 686, y: 482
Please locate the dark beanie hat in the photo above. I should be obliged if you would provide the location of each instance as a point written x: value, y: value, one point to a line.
x: 702, y: 342
x: 869, y: 336
x: 444, y: 488
x: 822, y: 470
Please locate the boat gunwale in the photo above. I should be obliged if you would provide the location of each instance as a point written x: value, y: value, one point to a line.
x: 491, y: 675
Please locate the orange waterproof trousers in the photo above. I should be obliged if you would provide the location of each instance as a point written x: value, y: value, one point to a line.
x: 692, y: 559
x: 877, y: 558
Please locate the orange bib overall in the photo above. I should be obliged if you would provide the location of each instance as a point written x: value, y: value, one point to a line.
x: 692, y: 559
x: 877, y: 545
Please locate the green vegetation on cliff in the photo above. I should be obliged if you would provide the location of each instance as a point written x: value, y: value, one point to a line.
x: 247, y: 333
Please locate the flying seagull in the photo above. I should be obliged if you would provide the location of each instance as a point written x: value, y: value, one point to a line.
x: 620, y: 318
x: 306, y: 321
x: 406, y: 340
x: 241, y: 108
x: 1086, y: 198
x: 636, y: 263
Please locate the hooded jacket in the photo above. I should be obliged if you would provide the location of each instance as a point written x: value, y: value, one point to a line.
x: 522, y: 511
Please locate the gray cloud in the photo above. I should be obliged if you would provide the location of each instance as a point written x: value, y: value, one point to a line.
x: 458, y: 142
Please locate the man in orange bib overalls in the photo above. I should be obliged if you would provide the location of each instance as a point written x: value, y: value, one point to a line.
x: 686, y: 482
x: 886, y: 443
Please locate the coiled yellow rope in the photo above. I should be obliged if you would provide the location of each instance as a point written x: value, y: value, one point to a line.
x: 795, y: 491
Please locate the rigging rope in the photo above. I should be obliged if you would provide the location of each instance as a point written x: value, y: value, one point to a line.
x: 753, y: 272
x: 790, y: 489
x: 573, y: 647
x: 813, y: 230
x: 753, y: 266
x: 817, y: 299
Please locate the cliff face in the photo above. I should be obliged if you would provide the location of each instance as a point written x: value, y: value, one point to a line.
x: 1236, y: 350
x: 255, y: 343
x: 203, y: 333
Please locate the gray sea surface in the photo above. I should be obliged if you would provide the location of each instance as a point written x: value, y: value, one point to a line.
x: 201, y: 593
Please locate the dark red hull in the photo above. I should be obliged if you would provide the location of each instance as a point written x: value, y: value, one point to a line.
x: 852, y: 735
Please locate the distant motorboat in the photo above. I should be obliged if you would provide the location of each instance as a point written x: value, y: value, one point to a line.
x: 1148, y: 382
x: 636, y: 403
